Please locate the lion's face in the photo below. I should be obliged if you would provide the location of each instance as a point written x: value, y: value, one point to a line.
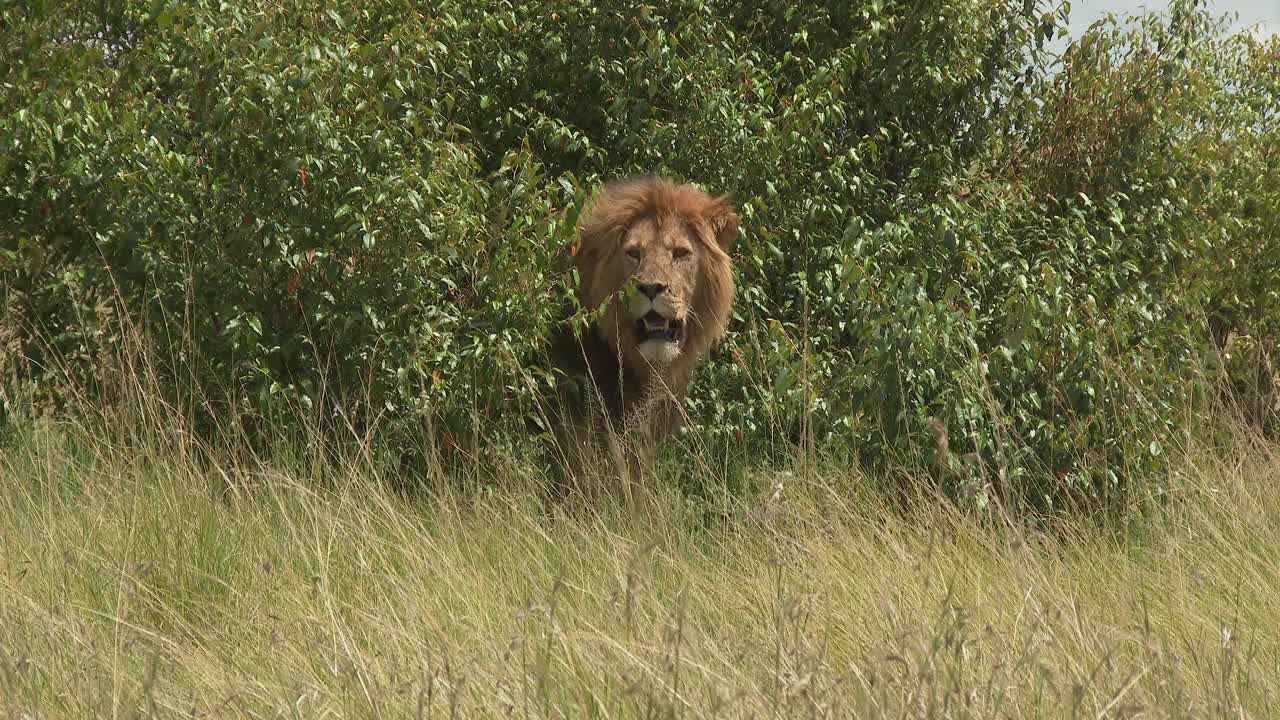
x: 660, y: 264
x: 664, y: 246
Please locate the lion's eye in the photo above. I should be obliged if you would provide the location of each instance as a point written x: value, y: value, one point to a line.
x: 681, y: 253
x: 633, y: 253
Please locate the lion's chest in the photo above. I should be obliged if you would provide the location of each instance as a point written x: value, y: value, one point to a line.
x: 602, y: 389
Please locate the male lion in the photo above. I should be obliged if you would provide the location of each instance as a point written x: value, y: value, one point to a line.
x: 658, y: 253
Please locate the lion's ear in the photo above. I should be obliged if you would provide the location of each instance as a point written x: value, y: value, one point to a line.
x: 724, y: 223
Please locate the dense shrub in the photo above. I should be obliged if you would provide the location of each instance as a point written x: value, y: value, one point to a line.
x: 363, y: 205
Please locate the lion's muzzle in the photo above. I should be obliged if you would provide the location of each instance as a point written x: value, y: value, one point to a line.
x: 655, y: 326
x: 659, y: 330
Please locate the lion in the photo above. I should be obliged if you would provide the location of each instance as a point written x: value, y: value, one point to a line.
x: 655, y: 256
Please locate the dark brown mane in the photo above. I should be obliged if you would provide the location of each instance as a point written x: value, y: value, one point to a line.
x: 624, y: 202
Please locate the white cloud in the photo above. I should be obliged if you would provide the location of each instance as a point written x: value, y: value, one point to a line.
x: 1264, y: 14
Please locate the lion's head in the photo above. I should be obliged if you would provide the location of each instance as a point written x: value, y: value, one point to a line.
x: 666, y: 247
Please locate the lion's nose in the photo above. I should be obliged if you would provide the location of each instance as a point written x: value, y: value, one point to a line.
x: 652, y: 290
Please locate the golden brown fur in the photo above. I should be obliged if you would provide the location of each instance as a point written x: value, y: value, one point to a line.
x: 666, y: 248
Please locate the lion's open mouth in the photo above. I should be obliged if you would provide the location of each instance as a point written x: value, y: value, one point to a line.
x: 653, y: 326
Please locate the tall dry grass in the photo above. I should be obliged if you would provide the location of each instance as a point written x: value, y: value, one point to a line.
x: 144, y: 575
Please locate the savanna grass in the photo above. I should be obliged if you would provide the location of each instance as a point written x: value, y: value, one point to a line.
x: 142, y: 574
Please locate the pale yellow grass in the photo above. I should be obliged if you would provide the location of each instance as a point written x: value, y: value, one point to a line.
x: 141, y: 584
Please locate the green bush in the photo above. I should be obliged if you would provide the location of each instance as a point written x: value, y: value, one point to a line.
x: 362, y: 206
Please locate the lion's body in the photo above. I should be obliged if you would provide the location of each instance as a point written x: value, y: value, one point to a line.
x: 666, y: 247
